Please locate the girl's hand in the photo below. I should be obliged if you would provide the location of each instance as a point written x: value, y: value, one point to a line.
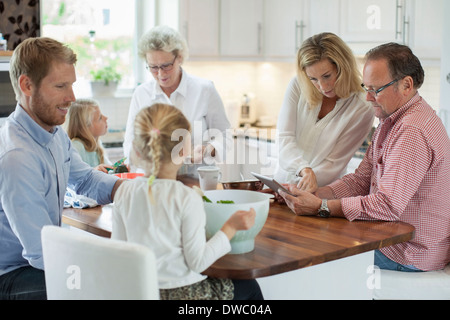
x: 240, y: 220
x: 102, y: 167
x: 308, y: 180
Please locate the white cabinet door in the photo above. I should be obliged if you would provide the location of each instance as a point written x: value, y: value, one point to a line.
x: 324, y: 16
x: 199, y: 24
x: 370, y: 21
x: 241, y: 28
x: 285, y: 23
x: 426, y: 28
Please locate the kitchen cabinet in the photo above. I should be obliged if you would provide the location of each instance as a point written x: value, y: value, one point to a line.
x: 324, y: 16
x: 270, y: 29
x: 364, y: 24
x: 285, y: 27
x: 426, y: 33
x: 274, y: 29
x: 199, y: 24
x: 368, y: 21
x: 250, y: 29
x: 241, y: 28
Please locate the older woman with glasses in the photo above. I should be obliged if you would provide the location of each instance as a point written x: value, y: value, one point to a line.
x: 324, y: 117
x: 164, y: 50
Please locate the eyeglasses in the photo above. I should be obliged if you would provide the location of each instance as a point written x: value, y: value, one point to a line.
x: 163, y: 67
x: 376, y: 92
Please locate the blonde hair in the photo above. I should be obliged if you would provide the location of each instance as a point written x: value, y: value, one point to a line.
x: 163, y: 38
x: 34, y: 57
x: 328, y: 46
x: 153, y: 128
x: 78, y: 124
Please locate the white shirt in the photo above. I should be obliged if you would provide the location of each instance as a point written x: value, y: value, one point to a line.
x: 173, y: 227
x: 325, y: 145
x: 199, y: 101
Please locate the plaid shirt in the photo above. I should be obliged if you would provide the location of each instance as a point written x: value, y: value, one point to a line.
x: 405, y: 176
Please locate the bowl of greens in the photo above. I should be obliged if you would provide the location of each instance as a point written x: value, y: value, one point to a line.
x: 221, y: 204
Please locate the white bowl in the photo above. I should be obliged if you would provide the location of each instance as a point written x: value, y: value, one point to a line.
x: 218, y: 213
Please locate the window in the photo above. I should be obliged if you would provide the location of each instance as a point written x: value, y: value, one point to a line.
x: 101, y: 32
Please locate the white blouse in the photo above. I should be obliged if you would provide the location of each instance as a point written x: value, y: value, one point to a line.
x: 325, y: 145
x: 199, y: 101
x: 173, y: 227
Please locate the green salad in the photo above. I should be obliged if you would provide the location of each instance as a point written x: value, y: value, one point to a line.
x: 206, y: 199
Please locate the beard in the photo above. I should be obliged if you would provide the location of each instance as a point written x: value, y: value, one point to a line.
x: 47, y: 114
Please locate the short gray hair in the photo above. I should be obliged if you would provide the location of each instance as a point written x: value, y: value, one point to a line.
x: 163, y: 38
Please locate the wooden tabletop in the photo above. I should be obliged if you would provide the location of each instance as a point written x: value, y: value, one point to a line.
x: 98, y: 220
x: 286, y: 242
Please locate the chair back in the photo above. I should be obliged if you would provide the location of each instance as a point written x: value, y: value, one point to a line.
x: 82, y: 266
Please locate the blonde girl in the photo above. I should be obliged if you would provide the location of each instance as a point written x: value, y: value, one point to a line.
x: 85, y: 125
x: 162, y: 213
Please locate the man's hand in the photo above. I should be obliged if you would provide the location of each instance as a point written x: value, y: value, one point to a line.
x: 304, y: 204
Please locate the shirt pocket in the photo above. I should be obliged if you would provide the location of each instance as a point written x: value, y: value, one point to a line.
x: 380, y: 168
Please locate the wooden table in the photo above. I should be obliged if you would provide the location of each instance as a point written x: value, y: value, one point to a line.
x: 287, y: 242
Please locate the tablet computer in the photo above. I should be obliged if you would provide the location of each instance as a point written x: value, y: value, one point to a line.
x: 272, y: 183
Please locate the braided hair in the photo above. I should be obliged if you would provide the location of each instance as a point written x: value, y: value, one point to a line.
x: 154, y: 129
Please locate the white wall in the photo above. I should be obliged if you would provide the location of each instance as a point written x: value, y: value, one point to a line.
x: 445, y: 70
x: 445, y: 62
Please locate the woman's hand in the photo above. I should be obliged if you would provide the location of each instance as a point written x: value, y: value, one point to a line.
x: 308, y: 181
x: 200, y: 152
x: 240, y: 220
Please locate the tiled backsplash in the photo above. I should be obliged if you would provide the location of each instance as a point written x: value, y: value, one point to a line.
x: 266, y: 81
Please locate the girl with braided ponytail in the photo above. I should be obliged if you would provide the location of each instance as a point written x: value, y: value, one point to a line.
x: 162, y: 213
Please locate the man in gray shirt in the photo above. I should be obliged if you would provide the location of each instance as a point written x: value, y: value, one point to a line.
x: 37, y: 163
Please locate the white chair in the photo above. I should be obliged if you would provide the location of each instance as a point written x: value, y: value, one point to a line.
x: 431, y: 285
x: 79, y: 266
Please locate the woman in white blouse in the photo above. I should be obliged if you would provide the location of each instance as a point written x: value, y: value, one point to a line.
x: 324, y: 117
x: 164, y: 51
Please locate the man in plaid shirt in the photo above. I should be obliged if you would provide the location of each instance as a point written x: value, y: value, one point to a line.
x: 405, y: 174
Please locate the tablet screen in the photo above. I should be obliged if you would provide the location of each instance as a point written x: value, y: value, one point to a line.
x: 272, y: 183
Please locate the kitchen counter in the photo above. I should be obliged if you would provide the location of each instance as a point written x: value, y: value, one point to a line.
x: 260, y: 133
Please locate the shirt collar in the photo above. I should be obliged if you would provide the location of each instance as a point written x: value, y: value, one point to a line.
x: 182, y: 87
x: 402, y: 110
x: 39, y: 134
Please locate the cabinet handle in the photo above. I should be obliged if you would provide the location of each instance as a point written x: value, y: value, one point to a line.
x: 406, y: 32
x: 259, y: 37
x: 399, y: 21
x: 186, y: 31
x: 299, y: 30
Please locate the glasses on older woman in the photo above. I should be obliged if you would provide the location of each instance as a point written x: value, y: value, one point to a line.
x: 376, y: 92
x: 163, y: 67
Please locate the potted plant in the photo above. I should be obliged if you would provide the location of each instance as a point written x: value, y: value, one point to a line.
x: 104, y: 81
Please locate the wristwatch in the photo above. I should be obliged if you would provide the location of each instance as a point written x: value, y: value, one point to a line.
x: 324, y: 212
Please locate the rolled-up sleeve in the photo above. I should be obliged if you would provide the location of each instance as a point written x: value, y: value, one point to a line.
x: 89, y: 182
